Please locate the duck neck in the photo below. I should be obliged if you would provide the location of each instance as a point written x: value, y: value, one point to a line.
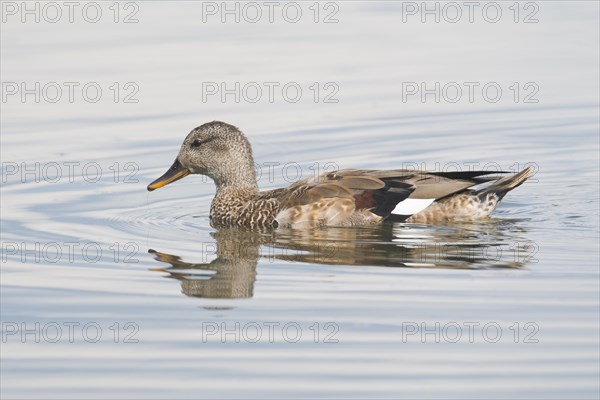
x: 239, y: 182
x: 232, y: 194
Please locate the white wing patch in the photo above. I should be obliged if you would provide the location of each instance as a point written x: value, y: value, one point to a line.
x: 412, y: 206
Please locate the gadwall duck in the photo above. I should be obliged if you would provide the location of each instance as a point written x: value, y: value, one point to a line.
x: 349, y: 197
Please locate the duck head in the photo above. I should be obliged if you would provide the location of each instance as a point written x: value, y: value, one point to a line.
x: 217, y: 150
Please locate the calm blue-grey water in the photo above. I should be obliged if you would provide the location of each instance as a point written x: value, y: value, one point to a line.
x: 110, y: 291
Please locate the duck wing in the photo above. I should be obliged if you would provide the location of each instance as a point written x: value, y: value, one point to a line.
x: 422, y: 184
x: 378, y: 191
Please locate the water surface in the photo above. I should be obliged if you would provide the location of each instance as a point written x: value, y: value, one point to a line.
x: 507, y: 307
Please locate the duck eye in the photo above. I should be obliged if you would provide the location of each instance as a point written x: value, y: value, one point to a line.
x: 196, y: 143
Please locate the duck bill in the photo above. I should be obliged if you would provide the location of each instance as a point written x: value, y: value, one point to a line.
x: 175, y: 173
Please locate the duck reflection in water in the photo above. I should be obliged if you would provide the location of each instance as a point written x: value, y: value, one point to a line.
x: 232, y: 273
